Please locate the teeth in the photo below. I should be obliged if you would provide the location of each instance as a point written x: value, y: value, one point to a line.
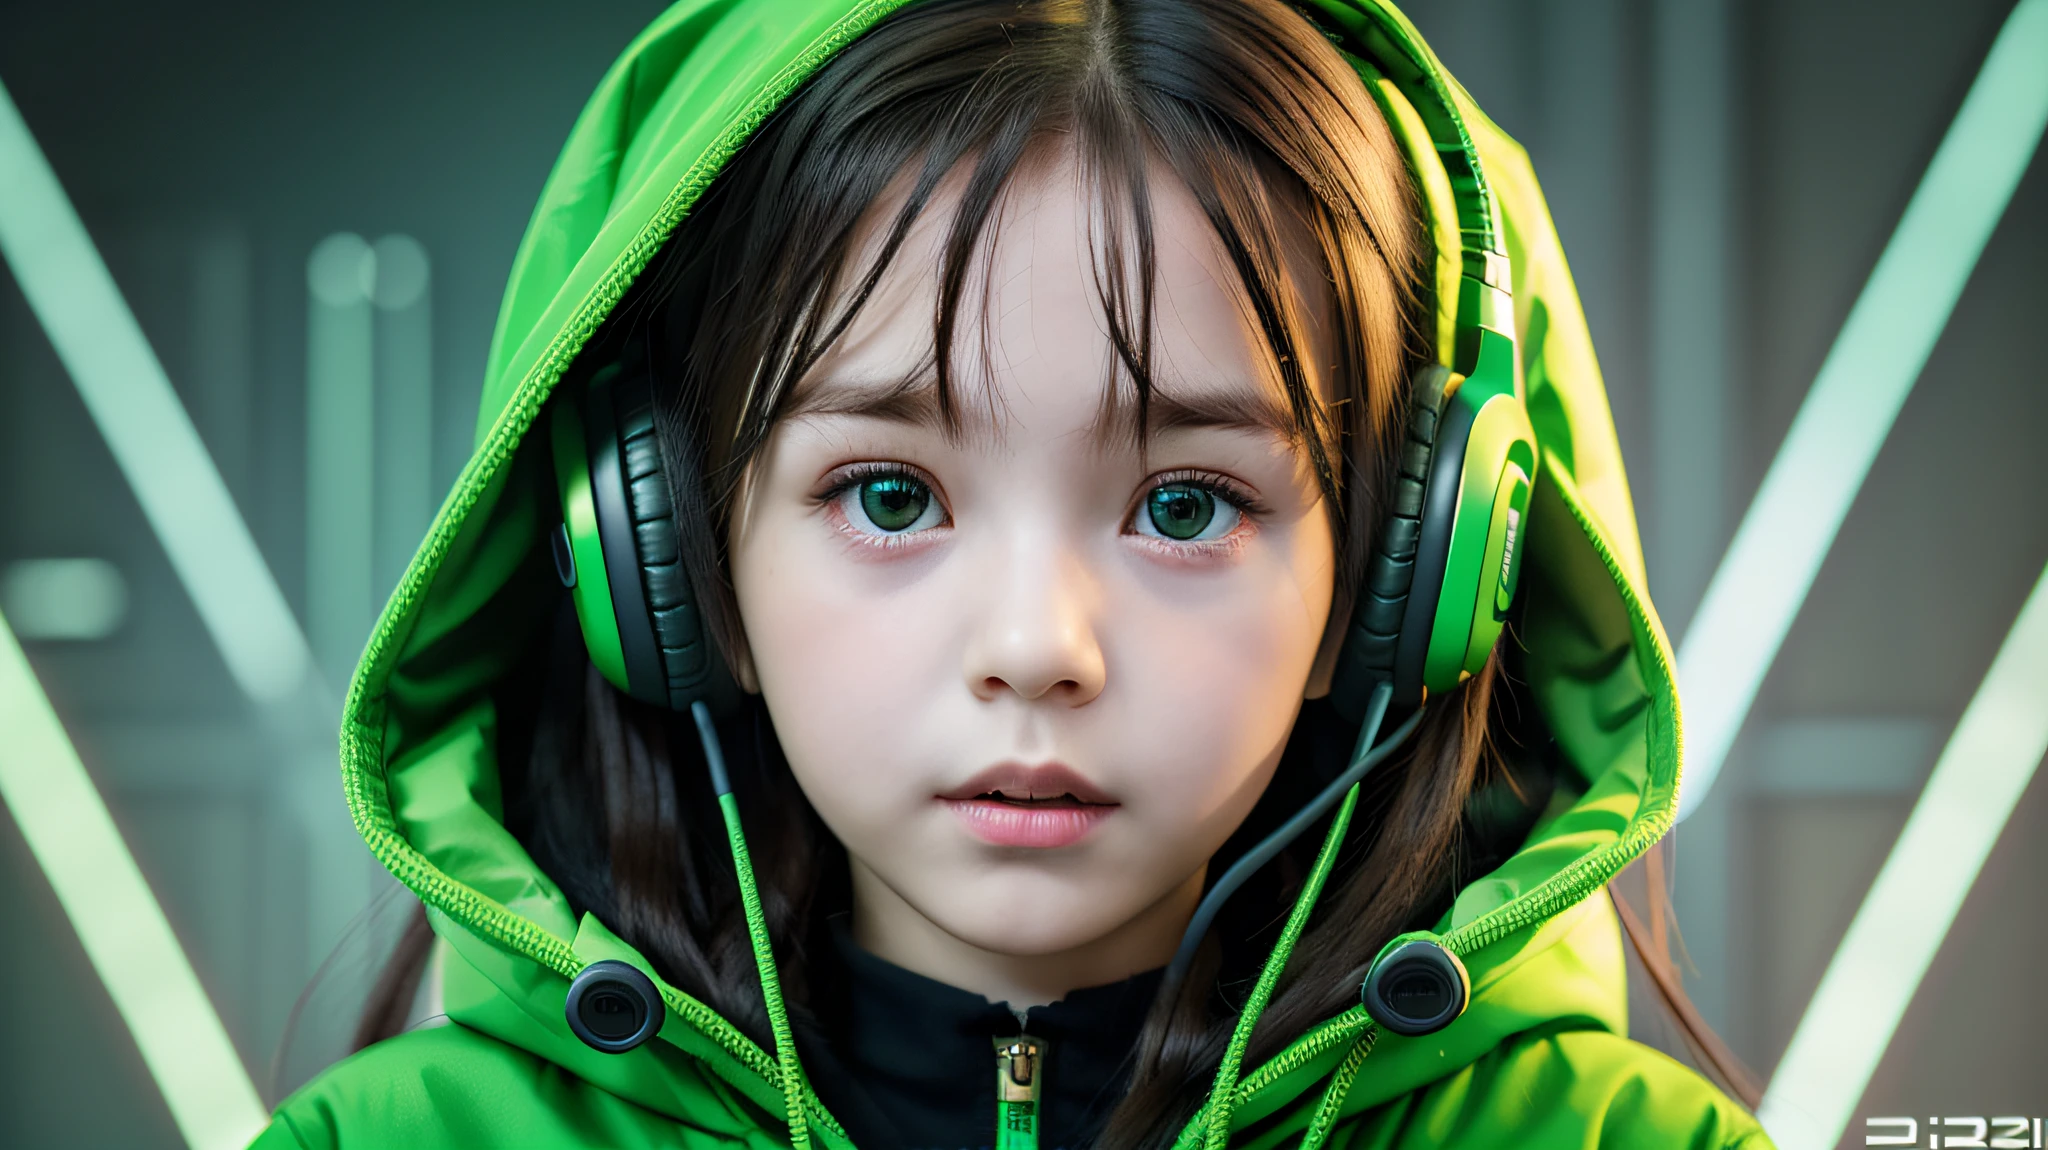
x: 1007, y: 797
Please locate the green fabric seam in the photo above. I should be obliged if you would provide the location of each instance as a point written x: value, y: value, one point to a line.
x: 1561, y: 890
x: 793, y: 1083
x: 361, y: 743
x: 1332, y: 1104
x: 1224, y: 1094
x: 362, y: 759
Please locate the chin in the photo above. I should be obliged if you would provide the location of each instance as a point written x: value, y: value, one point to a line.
x: 1025, y: 920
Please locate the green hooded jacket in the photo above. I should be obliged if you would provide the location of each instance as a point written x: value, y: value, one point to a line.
x: 1540, y: 1058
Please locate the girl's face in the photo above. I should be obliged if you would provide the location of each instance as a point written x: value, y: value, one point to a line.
x: 1031, y: 674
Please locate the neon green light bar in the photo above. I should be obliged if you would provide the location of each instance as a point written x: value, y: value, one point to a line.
x: 1777, y: 551
x: 117, y: 918
x: 1980, y: 776
x: 125, y: 388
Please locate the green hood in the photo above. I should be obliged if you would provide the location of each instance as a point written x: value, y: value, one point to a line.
x: 418, y: 738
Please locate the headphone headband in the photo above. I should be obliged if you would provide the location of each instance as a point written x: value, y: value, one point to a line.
x: 1474, y: 283
x: 1444, y: 572
x: 1394, y: 49
x: 1444, y: 568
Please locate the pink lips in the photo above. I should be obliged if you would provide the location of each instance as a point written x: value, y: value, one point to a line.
x: 1012, y: 805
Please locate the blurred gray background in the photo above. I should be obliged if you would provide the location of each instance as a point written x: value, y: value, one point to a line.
x: 1724, y: 174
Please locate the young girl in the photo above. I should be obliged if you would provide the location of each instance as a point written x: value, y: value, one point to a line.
x: 1038, y: 573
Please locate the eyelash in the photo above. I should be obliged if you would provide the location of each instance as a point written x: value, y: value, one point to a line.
x: 841, y: 480
x: 1219, y: 485
x: 1250, y: 509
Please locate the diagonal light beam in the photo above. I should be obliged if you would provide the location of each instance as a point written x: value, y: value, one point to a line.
x: 125, y: 933
x: 1863, y: 382
x: 1979, y: 778
x: 130, y: 398
x: 181, y: 493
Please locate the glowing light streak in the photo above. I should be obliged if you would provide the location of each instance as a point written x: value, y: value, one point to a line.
x: 1863, y: 382
x: 1981, y: 774
x: 124, y: 931
x: 130, y: 398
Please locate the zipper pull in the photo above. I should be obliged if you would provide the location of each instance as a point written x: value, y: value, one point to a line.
x: 1020, y: 1066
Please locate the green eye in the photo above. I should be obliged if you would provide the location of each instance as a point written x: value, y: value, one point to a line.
x: 1181, y: 510
x: 894, y: 503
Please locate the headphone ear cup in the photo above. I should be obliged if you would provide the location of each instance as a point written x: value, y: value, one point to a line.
x: 1376, y: 635
x: 621, y: 551
x: 688, y: 662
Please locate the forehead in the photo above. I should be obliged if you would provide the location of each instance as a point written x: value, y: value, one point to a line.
x: 1034, y: 342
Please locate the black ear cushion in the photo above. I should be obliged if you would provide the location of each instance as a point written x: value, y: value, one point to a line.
x: 684, y: 654
x: 1377, y: 611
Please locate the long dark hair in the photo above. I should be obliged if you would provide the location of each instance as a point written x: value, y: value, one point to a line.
x: 1250, y: 108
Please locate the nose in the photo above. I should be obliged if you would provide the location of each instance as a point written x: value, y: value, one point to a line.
x: 1038, y: 639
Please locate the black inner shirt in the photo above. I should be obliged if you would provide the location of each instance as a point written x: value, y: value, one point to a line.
x: 907, y: 1063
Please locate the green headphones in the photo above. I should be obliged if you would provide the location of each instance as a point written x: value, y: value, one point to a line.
x: 1443, y: 569
x: 619, y: 552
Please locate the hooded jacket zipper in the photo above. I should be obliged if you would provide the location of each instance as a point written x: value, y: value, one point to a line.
x: 1020, y: 1065
x: 363, y: 735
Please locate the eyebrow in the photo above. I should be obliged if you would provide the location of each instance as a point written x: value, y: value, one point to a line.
x: 910, y: 399
x: 1228, y: 408
x: 913, y: 400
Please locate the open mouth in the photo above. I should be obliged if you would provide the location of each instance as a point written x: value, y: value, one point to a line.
x: 1046, y: 823
x: 1063, y: 799
x: 1040, y: 807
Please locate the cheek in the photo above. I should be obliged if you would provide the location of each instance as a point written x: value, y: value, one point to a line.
x: 1214, y: 682
x: 845, y: 659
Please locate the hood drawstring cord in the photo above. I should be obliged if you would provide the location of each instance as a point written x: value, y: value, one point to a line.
x: 1223, y: 1096
x: 792, y: 1071
x: 1366, y: 755
x: 1332, y: 1105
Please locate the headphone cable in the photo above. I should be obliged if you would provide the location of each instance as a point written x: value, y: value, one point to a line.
x: 1365, y: 756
